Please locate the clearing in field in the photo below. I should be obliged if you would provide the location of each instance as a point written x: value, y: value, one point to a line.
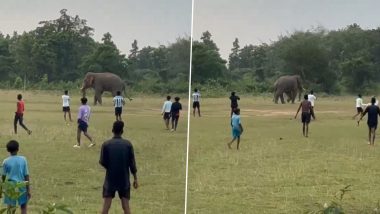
x: 62, y: 174
x: 277, y: 170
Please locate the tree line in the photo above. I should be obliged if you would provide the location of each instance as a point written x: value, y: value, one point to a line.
x: 59, y: 52
x: 338, y: 61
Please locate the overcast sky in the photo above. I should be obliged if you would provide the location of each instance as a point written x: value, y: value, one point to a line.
x: 258, y: 21
x: 151, y: 22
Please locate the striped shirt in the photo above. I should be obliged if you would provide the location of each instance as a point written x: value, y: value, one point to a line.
x: 196, y: 97
x: 118, y: 101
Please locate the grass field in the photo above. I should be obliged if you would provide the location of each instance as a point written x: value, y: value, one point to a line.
x: 62, y: 174
x: 277, y: 170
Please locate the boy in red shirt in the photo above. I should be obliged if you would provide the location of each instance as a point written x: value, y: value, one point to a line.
x: 20, y: 114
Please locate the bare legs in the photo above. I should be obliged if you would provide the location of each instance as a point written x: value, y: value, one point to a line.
x: 174, y: 123
x: 305, y: 129
x: 167, y: 123
x: 199, y: 111
x: 371, y: 136
x: 124, y: 205
x: 85, y: 134
x: 238, y: 142
x: 64, y: 115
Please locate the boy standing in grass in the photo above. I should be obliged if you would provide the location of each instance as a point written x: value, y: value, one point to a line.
x: 166, y: 108
x: 176, y: 107
x: 234, y: 102
x: 196, y: 100
x: 373, y: 111
x: 66, y: 105
x: 237, y: 128
x: 306, y: 115
x: 359, y: 106
x: 19, y: 115
x: 118, y: 158
x: 119, y: 102
x: 83, y: 119
x: 15, y: 169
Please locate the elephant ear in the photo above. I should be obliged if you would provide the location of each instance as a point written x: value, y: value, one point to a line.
x: 91, y: 80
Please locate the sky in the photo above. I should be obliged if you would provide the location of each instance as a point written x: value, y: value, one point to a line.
x: 263, y: 21
x: 150, y: 22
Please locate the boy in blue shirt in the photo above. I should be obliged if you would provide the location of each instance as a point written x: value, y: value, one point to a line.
x: 15, y: 169
x: 237, y: 128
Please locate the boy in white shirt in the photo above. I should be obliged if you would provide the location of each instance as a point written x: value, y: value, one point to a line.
x: 66, y: 105
x: 359, y: 106
x: 312, y: 98
x: 196, y: 102
x: 166, y: 108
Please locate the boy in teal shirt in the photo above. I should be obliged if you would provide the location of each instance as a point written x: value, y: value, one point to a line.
x: 15, y: 169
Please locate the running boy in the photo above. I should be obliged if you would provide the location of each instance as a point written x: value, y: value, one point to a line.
x: 234, y: 102
x: 15, y: 169
x: 166, y: 108
x: 19, y: 115
x: 83, y: 119
x: 119, y: 102
x: 196, y: 100
x: 305, y: 117
x: 176, y: 107
x: 373, y: 111
x: 66, y: 105
x: 237, y: 128
x: 359, y: 106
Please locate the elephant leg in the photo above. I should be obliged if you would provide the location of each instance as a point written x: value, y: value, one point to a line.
x: 282, y: 98
x: 289, y: 96
x: 98, y: 97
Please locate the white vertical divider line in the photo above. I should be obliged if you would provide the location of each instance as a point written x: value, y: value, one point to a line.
x: 189, y: 109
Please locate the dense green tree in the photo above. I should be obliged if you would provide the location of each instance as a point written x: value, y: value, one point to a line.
x: 234, y: 59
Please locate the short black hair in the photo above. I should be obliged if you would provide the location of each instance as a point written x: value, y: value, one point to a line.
x: 176, y: 99
x: 19, y: 96
x: 305, y: 97
x: 195, y: 90
x: 311, y: 92
x: 168, y: 97
x: 233, y: 93
x: 12, y: 146
x: 359, y: 95
x: 66, y: 92
x: 83, y: 100
x: 373, y: 100
x: 118, y: 93
x: 118, y: 127
x: 237, y: 110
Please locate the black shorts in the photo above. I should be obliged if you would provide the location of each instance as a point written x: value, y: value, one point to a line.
x: 118, y: 111
x: 175, y: 116
x: 196, y: 104
x: 123, y: 193
x: 66, y: 108
x: 359, y: 109
x: 372, y: 125
x: 166, y: 116
x: 82, y: 125
x: 305, y: 117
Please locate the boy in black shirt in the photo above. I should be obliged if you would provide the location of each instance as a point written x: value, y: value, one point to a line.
x: 176, y: 107
x: 373, y: 112
x: 118, y: 158
x: 234, y: 101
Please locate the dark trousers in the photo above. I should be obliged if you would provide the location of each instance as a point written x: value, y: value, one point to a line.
x: 19, y: 119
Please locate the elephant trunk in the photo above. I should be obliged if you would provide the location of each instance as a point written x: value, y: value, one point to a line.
x: 83, y: 90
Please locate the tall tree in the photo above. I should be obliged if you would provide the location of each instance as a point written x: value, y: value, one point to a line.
x: 233, y: 59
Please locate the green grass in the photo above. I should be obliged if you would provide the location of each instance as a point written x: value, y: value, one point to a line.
x: 270, y: 175
x: 59, y: 173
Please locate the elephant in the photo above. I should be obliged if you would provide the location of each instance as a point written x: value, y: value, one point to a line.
x: 290, y: 85
x: 102, y: 82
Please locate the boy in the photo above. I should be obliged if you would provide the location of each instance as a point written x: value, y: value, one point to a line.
x: 66, y: 105
x: 15, y: 169
x: 234, y: 102
x: 19, y: 115
x: 305, y: 117
x: 373, y: 111
x: 118, y: 158
x: 176, y: 107
x: 83, y: 119
x: 359, y: 106
x: 196, y: 100
x: 166, y: 108
x: 312, y: 98
x: 237, y: 128
x: 119, y: 102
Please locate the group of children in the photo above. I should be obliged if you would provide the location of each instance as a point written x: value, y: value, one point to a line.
x: 171, y: 110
